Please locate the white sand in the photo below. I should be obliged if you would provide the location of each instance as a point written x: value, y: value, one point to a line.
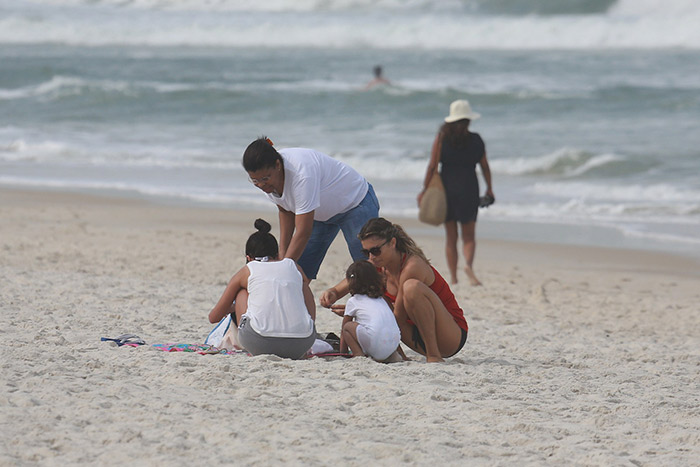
x: 576, y: 356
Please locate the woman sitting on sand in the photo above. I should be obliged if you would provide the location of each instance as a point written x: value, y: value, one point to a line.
x: 430, y: 320
x: 270, y: 300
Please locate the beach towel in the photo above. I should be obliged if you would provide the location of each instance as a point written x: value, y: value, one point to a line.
x: 202, y: 349
x: 221, y: 333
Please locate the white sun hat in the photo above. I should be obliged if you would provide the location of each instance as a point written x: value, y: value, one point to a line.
x: 459, y: 110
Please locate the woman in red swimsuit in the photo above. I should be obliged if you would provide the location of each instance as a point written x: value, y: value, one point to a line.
x: 430, y: 320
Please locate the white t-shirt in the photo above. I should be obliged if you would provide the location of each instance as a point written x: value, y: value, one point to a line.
x: 315, y: 181
x: 276, y: 306
x: 374, y: 315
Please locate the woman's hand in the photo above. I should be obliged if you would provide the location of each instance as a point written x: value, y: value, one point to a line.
x: 328, y: 297
x: 420, y: 197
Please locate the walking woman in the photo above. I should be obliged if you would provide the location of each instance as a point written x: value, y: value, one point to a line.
x: 457, y: 150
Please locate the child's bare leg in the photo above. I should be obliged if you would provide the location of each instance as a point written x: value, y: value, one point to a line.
x: 402, y: 354
x: 350, y: 338
x: 397, y: 356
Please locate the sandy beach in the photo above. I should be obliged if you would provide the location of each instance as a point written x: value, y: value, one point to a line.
x: 576, y: 356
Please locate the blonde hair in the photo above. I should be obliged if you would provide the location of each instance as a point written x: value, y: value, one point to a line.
x: 380, y: 227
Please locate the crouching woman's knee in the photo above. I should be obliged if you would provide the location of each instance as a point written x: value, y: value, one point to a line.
x: 412, y: 289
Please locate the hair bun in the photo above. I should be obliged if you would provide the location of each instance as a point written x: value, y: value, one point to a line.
x: 262, y: 225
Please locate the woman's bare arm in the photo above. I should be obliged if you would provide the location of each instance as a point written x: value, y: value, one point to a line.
x: 432, y: 164
x: 486, y: 172
x: 223, y: 306
x: 308, y: 294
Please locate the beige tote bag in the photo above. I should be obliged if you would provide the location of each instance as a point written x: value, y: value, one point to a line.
x: 433, y: 205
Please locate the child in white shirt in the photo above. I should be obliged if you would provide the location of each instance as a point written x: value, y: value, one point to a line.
x: 369, y: 327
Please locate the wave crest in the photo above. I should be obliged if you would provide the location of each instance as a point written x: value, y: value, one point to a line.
x: 626, y: 8
x: 422, y: 24
x: 567, y: 163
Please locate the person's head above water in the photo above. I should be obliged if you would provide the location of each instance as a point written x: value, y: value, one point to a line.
x: 262, y: 244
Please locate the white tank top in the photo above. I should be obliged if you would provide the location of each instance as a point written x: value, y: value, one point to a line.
x: 276, y: 305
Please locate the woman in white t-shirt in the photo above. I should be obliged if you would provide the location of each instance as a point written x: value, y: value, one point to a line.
x: 316, y: 195
x: 270, y: 301
x: 369, y: 327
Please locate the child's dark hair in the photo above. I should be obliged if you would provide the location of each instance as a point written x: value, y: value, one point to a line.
x: 262, y: 243
x: 364, y: 279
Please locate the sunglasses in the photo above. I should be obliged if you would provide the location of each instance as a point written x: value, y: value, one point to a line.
x: 375, y: 250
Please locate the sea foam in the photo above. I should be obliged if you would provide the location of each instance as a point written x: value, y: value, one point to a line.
x: 347, y: 24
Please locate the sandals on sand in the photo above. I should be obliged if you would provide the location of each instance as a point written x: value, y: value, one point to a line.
x: 132, y: 339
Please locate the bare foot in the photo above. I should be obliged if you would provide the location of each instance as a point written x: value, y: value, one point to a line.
x: 434, y: 359
x: 453, y: 280
x: 472, y: 277
x: 393, y: 358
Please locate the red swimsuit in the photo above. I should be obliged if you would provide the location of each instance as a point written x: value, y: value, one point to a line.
x: 444, y: 293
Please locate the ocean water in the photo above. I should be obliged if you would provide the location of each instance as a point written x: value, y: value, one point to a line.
x: 590, y: 109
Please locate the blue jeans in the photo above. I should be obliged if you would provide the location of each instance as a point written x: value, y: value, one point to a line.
x: 324, y: 233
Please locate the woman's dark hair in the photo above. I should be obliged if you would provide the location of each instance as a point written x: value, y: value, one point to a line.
x: 364, y: 279
x: 260, y: 154
x: 382, y: 228
x: 262, y: 243
x: 456, y: 133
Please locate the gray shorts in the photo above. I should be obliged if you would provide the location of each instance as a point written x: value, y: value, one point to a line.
x: 285, y: 347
